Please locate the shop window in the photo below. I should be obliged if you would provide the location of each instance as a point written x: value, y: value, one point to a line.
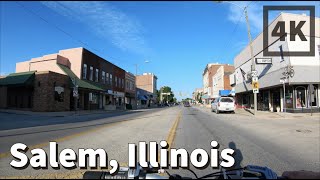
x: 314, y: 97
x: 84, y: 71
x: 300, y: 97
x: 59, y: 94
x: 289, y: 97
x: 94, y: 98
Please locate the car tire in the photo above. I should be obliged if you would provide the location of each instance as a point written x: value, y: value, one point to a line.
x: 217, y: 111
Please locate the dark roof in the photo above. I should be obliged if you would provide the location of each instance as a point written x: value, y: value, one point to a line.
x: 18, y: 79
x: 80, y: 83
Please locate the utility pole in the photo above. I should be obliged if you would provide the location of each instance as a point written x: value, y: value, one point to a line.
x: 253, y: 66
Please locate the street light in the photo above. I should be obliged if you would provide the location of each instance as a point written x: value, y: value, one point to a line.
x: 253, y: 66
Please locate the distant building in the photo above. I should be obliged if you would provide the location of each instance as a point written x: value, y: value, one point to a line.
x: 215, y: 77
x: 146, y: 87
x: 305, y: 70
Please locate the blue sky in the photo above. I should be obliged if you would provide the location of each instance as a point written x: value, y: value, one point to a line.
x: 177, y: 38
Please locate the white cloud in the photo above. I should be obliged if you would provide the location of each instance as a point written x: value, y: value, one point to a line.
x: 255, y: 14
x: 107, y: 22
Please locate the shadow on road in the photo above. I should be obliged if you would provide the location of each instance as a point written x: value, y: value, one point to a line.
x: 237, y: 155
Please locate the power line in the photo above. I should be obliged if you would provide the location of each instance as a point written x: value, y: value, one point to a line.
x: 63, y: 31
x: 237, y: 25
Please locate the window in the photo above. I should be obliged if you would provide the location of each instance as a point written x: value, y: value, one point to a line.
x: 122, y: 83
x: 116, y: 81
x: 103, y: 77
x: 94, y: 98
x: 300, y: 97
x: 111, y: 79
x: 84, y: 71
x: 59, y: 94
x: 91, y: 73
x: 128, y: 86
x: 319, y: 49
x: 281, y: 53
x: 107, y: 78
x: 97, y: 75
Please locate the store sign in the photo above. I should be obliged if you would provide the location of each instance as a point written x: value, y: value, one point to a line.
x: 264, y: 60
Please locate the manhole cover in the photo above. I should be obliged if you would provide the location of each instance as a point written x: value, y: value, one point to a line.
x: 303, y: 131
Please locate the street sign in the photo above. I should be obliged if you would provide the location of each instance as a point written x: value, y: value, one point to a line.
x: 283, y: 80
x: 264, y: 60
x: 255, y: 79
x: 255, y: 87
x: 75, y: 93
x: 254, y: 73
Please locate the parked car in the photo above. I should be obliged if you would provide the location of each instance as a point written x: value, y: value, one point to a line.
x: 223, y: 104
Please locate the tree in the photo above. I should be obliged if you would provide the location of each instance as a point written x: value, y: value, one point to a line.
x: 169, y: 98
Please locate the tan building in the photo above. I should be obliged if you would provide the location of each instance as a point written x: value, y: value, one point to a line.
x: 146, y: 89
x: 215, y: 77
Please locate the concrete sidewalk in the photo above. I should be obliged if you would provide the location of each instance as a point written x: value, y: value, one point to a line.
x: 270, y: 115
x: 58, y: 114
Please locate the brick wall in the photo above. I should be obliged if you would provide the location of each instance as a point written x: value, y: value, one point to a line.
x: 44, y: 92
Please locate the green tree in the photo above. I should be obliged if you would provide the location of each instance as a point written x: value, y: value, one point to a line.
x: 167, y: 89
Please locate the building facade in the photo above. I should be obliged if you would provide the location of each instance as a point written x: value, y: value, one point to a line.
x: 146, y: 90
x: 130, y: 91
x: 304, y: 70
x: 215, y: 78
x: 93, y: 82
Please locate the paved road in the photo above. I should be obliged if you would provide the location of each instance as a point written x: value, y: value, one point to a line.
x: 274, y: 143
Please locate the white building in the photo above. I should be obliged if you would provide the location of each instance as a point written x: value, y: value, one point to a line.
x: 306, y: 71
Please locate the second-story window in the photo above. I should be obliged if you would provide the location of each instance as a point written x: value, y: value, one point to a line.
x: 107, y: 78
x: 111, y: 79
x: 122, y: 83
x: 103, y: 77
x: 97, y: 75
x: 84, y: 71
x: 91, y: 73
x: 116, y: 81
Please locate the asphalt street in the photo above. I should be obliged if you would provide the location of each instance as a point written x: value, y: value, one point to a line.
x: 273, y: 143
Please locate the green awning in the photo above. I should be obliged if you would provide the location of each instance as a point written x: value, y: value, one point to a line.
x: 81, y: 83
x: 18, y: 79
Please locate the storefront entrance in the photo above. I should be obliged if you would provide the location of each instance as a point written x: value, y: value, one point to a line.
x: 275, y: 95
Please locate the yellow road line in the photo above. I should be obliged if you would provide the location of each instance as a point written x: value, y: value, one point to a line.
x: 173, y: 130
x: 79, y: 173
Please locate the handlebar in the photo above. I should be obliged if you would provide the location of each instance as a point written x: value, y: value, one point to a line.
x: 248, y: 172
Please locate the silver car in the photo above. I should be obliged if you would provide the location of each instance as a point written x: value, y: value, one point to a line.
x: 225, y: 104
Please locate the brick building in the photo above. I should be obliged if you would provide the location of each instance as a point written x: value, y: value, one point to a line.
x: 130, y: 91
x: 36, y: 91
x: 216, y: 78
x: 99, y: 83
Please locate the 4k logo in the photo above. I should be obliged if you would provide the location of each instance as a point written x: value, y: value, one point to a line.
x: 280, y: 32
